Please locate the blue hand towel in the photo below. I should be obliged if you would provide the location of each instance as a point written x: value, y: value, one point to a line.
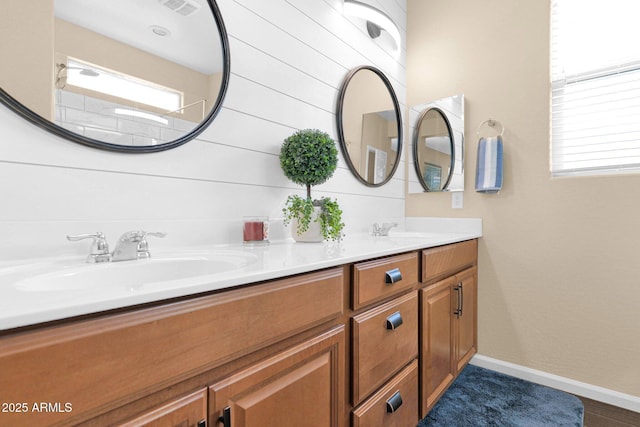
x: 489, y: 165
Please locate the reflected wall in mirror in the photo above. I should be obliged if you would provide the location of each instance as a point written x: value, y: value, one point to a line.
x: 369, y: 125
x: 123, y: 75
x: 437, y: 151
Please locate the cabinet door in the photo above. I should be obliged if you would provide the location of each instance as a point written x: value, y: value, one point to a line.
x: 437, y: 344
x: 466, y: 319
x: 303, y: 386
x: 189, y: 411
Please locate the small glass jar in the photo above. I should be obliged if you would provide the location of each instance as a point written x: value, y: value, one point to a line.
x: 255, y: 230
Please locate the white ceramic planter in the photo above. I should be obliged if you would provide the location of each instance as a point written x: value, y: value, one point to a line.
x: 313, y: 234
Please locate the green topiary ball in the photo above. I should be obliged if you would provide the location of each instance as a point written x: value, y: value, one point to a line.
x: 309, y: 157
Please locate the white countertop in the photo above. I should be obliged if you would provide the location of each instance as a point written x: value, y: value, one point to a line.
x: 21, y: 306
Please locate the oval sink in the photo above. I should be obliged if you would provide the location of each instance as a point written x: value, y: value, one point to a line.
x: 161, y: 272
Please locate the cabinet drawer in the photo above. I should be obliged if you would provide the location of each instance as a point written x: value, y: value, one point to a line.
x: 381, y: 278
x: 443, y: 261
x: 384, y: 407
x: 144, y: 350
x: 381, y: 345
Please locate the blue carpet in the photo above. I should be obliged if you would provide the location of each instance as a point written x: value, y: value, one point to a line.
x: 480, y: 397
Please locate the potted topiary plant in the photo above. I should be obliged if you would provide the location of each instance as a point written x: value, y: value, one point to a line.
x: 309, y: 157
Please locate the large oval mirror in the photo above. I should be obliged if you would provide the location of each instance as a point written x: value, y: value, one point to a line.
x: 438, y: 146
x: 369, y: 125
x: 122, y: 75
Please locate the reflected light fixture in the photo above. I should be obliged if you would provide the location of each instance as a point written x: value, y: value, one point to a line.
x: 141, y: 114
x: 376, y: 20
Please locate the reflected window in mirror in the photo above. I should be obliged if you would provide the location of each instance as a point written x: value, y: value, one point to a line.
x: 118, y: 75
x: 437, y: 151
x: 369, y: 125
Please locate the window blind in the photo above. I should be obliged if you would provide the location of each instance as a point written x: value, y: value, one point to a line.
x: 595, y: 98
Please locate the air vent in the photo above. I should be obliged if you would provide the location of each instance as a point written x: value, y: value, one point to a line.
x: 183, y: 7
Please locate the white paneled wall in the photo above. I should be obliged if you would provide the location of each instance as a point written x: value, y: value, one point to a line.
x: 288, y: 60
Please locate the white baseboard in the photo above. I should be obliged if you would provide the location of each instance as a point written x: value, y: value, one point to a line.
x: 589, y: 391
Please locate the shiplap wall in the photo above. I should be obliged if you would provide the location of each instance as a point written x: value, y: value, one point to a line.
x: 288, y: 60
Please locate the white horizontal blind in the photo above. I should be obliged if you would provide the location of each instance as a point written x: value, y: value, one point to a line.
x: 595, y: 72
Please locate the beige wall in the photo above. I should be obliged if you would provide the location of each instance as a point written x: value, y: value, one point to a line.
x: 27, y: 53
x: 560, y: 258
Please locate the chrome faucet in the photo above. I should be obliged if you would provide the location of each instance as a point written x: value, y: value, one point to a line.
x: 133, y: 245
x: 99, y: 248
x: 382, y: 230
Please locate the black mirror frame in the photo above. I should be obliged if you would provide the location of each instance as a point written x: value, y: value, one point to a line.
x: 341, y: 138
x: 414, y: 141
x: 51, y: 127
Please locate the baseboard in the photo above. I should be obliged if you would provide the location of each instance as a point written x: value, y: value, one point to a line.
x: 601, y: 394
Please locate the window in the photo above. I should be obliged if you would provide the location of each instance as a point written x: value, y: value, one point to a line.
x: 92, y: 77
x: 595, y: 74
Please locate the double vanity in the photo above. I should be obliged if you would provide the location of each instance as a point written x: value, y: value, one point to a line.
x: 365, y: 333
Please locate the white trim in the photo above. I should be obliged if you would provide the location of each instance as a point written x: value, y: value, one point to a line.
x: 601, y: 394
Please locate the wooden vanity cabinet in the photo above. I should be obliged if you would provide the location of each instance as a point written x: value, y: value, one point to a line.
x: 448, y: 322
x: 115, y: 363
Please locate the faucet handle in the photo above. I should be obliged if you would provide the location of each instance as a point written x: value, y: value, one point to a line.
x: 155, y: 233
x: 99, y: 248
x: 143, y: 246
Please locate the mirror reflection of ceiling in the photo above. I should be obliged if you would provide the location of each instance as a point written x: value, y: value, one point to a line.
x: 369, y: 127
x: 140, y: 23
x: 124, y: 75
x: 437, y: 146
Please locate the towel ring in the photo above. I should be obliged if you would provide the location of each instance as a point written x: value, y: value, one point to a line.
x: 492, y: 123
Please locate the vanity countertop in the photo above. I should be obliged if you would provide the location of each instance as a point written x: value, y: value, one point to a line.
x: 21, y: 305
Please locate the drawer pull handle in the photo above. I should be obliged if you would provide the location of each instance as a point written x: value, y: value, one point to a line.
x: 394, y: 402
x: 457, y: 311
x: 392, y: 276
x: 394, y: 321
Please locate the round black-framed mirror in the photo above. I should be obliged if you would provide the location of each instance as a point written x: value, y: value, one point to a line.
x: 158, y: 137
x: 369, y: 124
x: 434, y: 160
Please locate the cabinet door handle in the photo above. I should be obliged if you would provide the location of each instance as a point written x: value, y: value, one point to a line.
x: 461, y: 298
x: 458, y: 310
x: 394, y: 402
x: 225, y: 419
x: 392, y: 276
x: 202, y: 423
x: 394, y: 321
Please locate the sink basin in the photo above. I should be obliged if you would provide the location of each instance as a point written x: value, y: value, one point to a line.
x: 157, y: 273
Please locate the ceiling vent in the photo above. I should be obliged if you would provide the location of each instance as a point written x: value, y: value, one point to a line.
x: 183, y: 7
